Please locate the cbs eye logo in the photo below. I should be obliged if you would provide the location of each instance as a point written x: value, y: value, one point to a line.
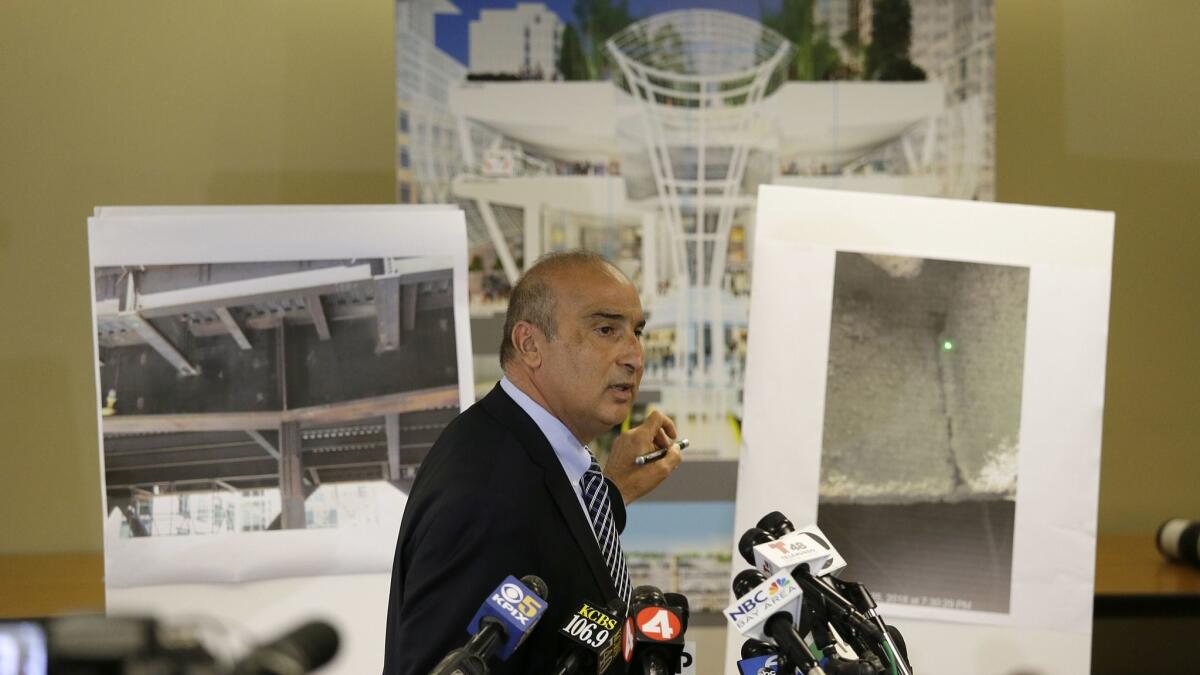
x: 526, y: 603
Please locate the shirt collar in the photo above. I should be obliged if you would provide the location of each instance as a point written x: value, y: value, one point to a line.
x: 573, y: 455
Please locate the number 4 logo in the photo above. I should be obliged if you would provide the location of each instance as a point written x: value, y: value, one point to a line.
x: 659, y: 624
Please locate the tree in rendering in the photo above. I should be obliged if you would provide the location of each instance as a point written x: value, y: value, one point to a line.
x: 572, y: 65
x: 891, y: 37
x: 815, y: 57
x: 598, y: 21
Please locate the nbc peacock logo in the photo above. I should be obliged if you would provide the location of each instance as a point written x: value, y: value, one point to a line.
x: 778, y: 585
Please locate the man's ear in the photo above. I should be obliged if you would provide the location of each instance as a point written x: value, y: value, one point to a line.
x: 525, y: 339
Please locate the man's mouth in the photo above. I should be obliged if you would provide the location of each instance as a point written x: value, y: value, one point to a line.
x: 621, y: 388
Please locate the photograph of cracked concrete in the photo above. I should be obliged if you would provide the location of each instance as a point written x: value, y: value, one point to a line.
x: 283, y: 395
x: 922, y: 418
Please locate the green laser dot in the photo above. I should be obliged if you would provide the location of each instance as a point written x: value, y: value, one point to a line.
x: 947, y: 345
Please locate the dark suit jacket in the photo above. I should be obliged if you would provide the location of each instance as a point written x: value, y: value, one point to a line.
x: 491, y: 499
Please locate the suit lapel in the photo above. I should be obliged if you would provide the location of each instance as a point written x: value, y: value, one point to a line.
x: 498, y: 404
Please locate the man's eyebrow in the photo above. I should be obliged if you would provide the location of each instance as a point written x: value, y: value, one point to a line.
x: 612, y: 316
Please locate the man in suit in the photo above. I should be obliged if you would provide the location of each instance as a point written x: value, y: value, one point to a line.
x: 510, y: 486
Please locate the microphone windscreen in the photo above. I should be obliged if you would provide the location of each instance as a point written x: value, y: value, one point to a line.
x: 647, y: 595
x: 1178, y: 540
x: 679, y: 600
x: 776, y: 524
x: 751, y: 538
x: 535, y: 584
x: 753, y: 648
x: 308, y: 647
x: 617, y: 607
x: 746, y: 580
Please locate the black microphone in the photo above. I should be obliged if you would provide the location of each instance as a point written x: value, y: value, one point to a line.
x: 1178, y: 540
x: 759, y: 658
x: 837, y: 607
x: 776, y: 524
x: 779, y: 626
x: 680, y: 601
x: 594, y: 634
x: 752, y: 648
x: 301, y: 650
x: 502, y: 623
x: 847, y: 602
x: 655, y: 645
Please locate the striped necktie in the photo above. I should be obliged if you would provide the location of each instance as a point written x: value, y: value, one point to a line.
x: 595, y: 495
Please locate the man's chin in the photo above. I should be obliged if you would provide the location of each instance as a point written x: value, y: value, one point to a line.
x: 614, y: 413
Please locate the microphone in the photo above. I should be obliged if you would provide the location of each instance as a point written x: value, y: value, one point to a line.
x: 758, y: 658
x: 1178, y: 540
x: 502, y: 623
x: 680, y: 602
x: 800, y: 552
x: 788, y: 547
x: 767, y: 608
x: 595, y: 637
x: 654, y: 632
x: 756, y: 547
x: 301, y: 650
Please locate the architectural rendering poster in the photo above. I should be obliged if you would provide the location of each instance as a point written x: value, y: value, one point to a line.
x: 941, y: 415
x: 642, y: 129
x: 269, y: 379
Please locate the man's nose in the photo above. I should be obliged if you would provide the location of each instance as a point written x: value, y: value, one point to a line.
x: 632, y: 358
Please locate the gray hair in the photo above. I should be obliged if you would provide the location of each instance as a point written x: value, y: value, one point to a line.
x: 532, y: 299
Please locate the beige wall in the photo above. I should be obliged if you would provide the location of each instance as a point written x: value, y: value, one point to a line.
x: 151, y: 102
x: 1098, y: 106
x: 290, y: 101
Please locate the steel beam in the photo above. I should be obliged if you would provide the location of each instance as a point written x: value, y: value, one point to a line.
x: 409, y: 309
x: 250, y: 291
x: 183, y: 422
x: 332, y: 413
x: 231, y: 325
x: 230, y: 470
x: 263, y: 442
x: 155, y: 339
x: 168, y: 458
x: 345, y: 458
x: 425, y: 302
x: 387, y: 313
x: 392, y: 428
x: 378, y: 406
x: 291, y: 478
x: 312, y: 301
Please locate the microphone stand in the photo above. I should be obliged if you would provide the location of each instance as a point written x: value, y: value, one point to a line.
x: 862, y: 600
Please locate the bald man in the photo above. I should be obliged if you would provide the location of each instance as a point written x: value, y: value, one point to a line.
x: 511, y: 486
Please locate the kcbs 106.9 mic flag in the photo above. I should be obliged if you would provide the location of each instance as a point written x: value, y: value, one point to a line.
x: 593, y: 636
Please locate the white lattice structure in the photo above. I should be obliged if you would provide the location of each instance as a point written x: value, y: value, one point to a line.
x: 699, y: 77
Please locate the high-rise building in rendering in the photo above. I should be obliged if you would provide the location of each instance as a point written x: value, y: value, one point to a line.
x: 427, y: 150
x: 523, y: 41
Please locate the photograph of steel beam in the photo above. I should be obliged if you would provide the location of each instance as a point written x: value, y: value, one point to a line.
x: 922, y: 419
x: 281, y: 395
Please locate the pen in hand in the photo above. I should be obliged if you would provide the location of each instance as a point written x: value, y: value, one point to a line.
x: 659, y: 453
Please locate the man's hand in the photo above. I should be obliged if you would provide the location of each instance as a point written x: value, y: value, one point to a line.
x: 658, y: 431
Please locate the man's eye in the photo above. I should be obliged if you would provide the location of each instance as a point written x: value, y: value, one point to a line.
x: 605, y: 330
